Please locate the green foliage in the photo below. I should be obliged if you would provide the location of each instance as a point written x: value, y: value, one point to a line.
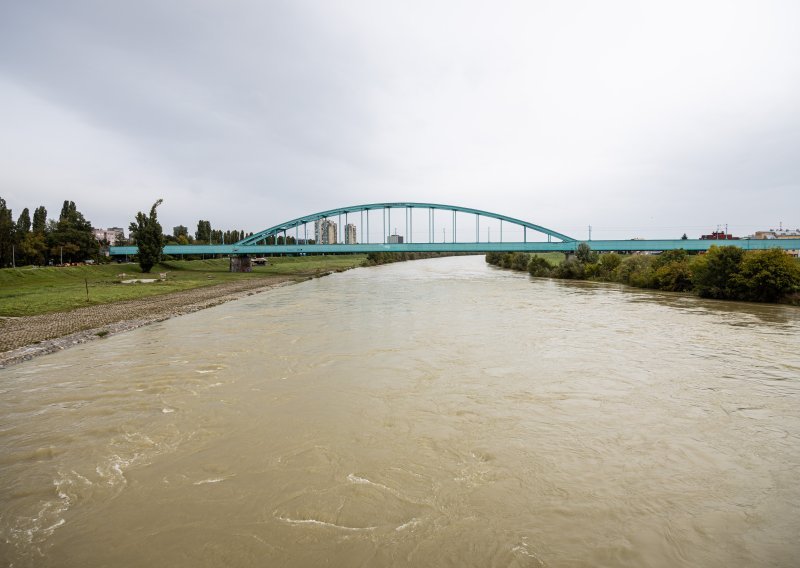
x: 34, y: 247
x: 147, y: 234
x: 635, y: 270
x: 377, y: 258
x: 669, y: 256
x: 538, y: 266
x: 585, y: 254
x: 716, y: 273
x: 726, y: 272
x: 203, y: 234
x: 672, y: 271
x: 591, y: 271
x: 768, y: 275
x: 23, y: 223
x: 519, y: 261
x: 71, y: 238
x: 6, y: 234
x: 507, y: 260
x: 570, y: 269
x: 608, y: 264
x: 673, y: 277
x: 39, y: 220
x: 494, y: 258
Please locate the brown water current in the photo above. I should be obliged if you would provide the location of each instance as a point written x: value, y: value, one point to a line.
x: 429, y: 413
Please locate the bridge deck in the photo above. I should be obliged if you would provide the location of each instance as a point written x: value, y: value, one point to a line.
x: 601, y: 245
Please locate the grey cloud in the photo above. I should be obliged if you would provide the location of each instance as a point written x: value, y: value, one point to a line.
x: 249, y: 112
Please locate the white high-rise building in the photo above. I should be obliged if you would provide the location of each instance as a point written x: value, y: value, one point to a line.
x: 112, y: 235
x: 325, y: 232
x: 350, y: 234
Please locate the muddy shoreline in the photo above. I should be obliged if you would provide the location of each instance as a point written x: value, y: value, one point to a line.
x: 24, y: 338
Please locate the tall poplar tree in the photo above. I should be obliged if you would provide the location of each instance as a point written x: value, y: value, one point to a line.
x: 6, y: 234
x: 146, y: 232
x: 203, y: 234
x: 39, y: 220
x: 21, y: 232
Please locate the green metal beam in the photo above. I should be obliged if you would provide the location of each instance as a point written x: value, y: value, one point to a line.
x: 276, y: 229
x: 602, y: 246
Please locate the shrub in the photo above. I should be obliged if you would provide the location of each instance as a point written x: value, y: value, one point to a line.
x: 669, y: 256
x: 671, y: 271
x: 538, y: 266
x: 494, y: 258
x: 591, y: 270
x: 716, y: 273
x: 608, y: 264
x: 570, y: 269
x: 585, y: 254
x: 768, y: 275
x: 636, y: 270
x: 519, y: 261
x: 675, y: 276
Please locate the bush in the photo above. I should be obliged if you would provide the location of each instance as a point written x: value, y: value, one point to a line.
x: 670, y: 256
x: 672, y: 271
x: 538, y: 266
x: 520, y: 261
x: 585, y: 254
x: 514, y: 261
x: 608, y: 263
x: 716, y: 274
x: 591, y: 270
x: 570, y: 269
x: 674, y: 277
x: 494, y: 258
x: 768, y: 275
x: 636, y: 270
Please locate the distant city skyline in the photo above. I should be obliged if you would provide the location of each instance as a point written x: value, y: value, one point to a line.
x: 637, y: 119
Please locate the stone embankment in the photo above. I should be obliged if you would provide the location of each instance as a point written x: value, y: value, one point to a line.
x: 23, y: 338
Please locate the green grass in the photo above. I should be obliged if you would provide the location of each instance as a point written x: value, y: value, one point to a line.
x: 31, y: 291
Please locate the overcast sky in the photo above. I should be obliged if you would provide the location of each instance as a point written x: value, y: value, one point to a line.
x: 640, y: 118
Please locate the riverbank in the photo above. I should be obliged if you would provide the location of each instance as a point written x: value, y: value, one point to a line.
x: 722, y: 273
x: 29, y: 327
x: 32, y: 291
x: 23, y: 338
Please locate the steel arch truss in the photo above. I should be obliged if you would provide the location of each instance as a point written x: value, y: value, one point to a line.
x: 283, y: 228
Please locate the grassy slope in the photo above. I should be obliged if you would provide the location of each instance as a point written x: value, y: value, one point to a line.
x: 31, y: 291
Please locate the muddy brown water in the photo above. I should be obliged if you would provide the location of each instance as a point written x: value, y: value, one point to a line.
x: 429, y: 413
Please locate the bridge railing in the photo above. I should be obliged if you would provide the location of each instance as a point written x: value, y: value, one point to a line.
x: 598, y: 245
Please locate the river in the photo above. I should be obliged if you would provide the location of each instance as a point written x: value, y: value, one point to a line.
x: 430, y: 413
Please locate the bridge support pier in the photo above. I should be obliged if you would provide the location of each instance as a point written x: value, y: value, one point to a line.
x: 240, y: 263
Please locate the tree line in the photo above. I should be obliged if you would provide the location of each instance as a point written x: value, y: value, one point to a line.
x: 724, y: 272
x: 204, y: 235
x: 36, y: 240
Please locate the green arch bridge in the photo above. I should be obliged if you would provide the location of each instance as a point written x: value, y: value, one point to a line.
x: 425, y: 240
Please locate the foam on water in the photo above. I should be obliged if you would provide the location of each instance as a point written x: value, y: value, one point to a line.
x: 322, y: 524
